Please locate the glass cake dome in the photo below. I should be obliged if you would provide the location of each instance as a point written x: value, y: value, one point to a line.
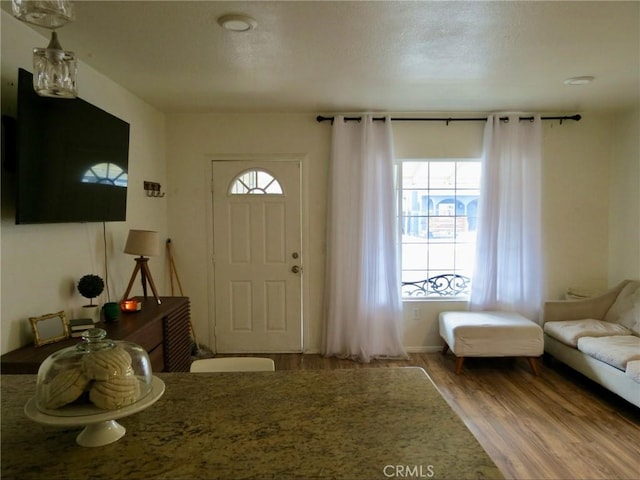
x: 97, y: 375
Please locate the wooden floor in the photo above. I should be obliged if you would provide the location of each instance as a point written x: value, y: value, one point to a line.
x: 559, y: 425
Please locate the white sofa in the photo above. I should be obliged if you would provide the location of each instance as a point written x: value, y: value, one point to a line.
x: 599, y: 337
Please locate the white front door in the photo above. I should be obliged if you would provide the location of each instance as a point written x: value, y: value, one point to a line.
x: 257, y: 256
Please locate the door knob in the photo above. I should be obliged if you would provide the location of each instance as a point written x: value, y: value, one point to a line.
x: 296, y: 269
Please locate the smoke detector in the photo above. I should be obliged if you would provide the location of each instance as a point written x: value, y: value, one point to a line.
x: 237, y: 23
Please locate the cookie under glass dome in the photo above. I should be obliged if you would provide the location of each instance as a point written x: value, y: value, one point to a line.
x: 97, y: 375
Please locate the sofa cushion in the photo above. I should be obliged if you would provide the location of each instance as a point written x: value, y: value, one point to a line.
x: 625, y: 304
x: 570, y: 331
x: 616, y: 351
x: 633, y: 370
x: 630, y: 316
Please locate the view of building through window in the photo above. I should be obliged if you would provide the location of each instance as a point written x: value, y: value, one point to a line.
x: 438, y: 204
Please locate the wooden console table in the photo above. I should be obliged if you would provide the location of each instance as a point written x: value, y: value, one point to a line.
x: 162, y: 330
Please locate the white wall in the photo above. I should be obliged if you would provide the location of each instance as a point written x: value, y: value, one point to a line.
x: 42, y: 263
x: 577, y: 159
x: 192, y: 141
x: 624, y: 209
x: 577, y: 165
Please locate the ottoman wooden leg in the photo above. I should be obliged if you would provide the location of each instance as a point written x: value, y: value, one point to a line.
x: 459, y: 362
x: 445, y: 349
x: 534, y: 365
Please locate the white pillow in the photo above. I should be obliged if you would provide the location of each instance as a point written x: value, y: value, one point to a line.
x: 624, y: 302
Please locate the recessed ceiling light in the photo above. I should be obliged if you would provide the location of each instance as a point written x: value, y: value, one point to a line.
x: 578, y: 80
x: 237, y: 23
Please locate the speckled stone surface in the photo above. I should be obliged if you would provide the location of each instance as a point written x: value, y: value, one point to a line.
x: 337, y: 424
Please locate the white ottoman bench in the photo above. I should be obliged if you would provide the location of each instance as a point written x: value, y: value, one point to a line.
x: 491, y: 334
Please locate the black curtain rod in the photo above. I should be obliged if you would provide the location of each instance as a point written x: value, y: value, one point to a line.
x: 448, y: 120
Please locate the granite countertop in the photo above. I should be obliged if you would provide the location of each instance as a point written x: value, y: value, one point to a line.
x: 329, y: 424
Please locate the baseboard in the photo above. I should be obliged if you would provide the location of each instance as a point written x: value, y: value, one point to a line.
x: 421, y: 349
x: 429, y: 349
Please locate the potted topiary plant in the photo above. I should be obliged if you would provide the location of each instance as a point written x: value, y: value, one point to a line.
x: 90, y: 286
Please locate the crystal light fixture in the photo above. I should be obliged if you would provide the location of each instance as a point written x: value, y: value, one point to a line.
x: 55, y: 71
x: 44, y: 13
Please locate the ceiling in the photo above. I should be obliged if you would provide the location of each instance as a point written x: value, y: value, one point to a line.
x: 394, y: 56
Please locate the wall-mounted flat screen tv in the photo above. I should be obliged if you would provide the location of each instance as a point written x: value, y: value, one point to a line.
x: 72, y: 160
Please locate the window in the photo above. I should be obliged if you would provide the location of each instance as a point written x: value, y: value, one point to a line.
x: 255, y: 182
x: 437, y: 214
x: 106, y: 173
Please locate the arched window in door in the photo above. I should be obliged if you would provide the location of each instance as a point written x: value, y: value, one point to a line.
x: 255, y: 182
x: 106, y: 173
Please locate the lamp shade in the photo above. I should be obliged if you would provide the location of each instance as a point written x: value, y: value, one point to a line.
x: 142, y: 242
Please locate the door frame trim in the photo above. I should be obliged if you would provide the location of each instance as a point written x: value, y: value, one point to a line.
x: 301, y: 159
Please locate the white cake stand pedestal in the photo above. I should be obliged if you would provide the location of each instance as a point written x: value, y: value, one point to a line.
x: 101, y: 427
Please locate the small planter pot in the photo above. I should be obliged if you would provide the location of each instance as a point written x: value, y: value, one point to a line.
x: 92, y: 312
x: 111, y: 311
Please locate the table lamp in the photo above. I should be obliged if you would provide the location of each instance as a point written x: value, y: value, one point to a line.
x: 144, y: 243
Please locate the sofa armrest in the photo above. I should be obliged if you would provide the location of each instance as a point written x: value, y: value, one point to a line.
x: 596, y: 307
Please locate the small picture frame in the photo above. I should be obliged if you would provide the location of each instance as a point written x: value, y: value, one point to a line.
x: 49, y: 328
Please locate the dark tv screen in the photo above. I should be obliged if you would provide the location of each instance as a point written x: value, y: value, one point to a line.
x: 72, y: 160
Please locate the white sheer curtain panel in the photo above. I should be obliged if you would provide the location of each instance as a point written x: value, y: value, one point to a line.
x: 508, y: 268
x: 362, y: 292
